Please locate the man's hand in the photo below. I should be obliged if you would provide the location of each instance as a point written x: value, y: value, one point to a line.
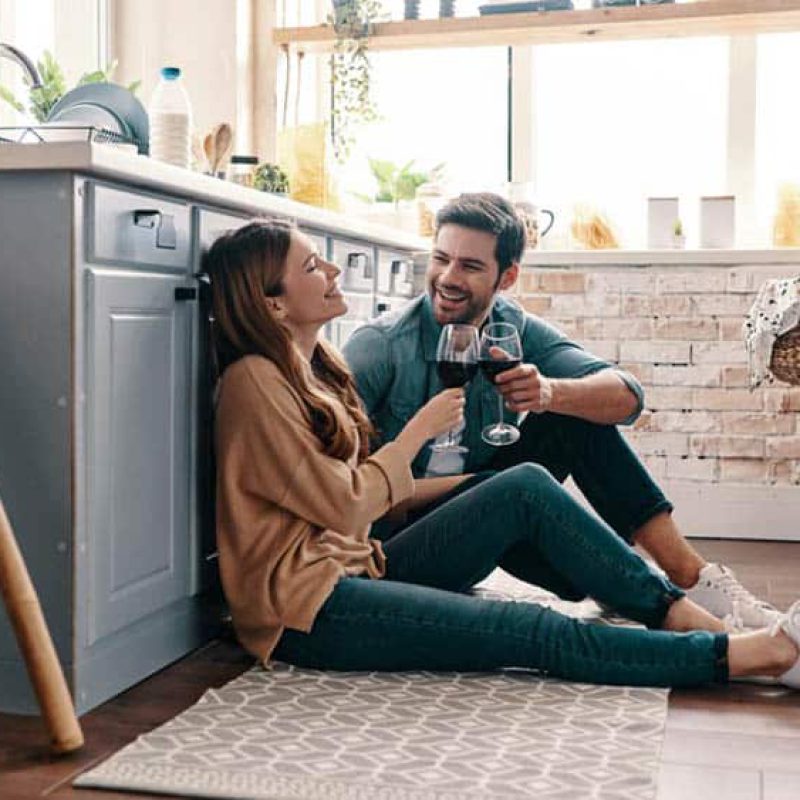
x: 524, y: 388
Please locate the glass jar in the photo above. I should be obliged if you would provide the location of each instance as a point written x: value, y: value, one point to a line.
x: 241, y: 170
x: 430, y: 198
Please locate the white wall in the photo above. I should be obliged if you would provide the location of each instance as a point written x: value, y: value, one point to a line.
x: 217, y: 44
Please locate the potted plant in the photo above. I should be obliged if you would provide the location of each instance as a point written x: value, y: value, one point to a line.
x: 54, y: 86
x: 396, y: 183
x: 396, y: 187
x: 351, y: 102
x: 271, y: 178
x: 678, y: 237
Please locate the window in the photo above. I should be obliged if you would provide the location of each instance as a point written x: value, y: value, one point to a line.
x: 614, y: 123
x: 777, y: 155
x: 70, y: 29
x: 448, y: 106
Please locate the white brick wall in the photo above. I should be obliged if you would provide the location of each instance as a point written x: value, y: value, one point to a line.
x: 678, y: 330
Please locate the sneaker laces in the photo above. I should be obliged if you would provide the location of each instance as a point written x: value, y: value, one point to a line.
x: 781, y: 622
x: 731, y: 587
x: 733, y: 622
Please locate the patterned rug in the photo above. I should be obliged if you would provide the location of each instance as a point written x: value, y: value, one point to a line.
x: 293, y: 733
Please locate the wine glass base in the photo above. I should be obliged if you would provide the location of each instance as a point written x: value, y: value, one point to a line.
x: 500, y: 435
x: 449, y: 448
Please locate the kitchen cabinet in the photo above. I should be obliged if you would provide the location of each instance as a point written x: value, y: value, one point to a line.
x: 703, y: 18
x: 105, y: 407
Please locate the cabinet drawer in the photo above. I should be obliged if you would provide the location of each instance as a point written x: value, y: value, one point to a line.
x: 396, y: 273
x: 357, y: 262
x: 319, y: 239
x: 212, y: 224
x: 137, y: 230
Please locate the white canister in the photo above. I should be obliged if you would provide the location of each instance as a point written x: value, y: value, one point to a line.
x: 662, y: 214
x: 717, y: 221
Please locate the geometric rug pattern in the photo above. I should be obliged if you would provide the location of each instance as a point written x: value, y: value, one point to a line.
x: 284, y: 732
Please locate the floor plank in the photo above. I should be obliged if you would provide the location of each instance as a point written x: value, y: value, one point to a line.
x: 781, y: 785
x: 687, y: 781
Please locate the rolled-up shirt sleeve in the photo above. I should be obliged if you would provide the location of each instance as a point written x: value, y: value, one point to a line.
x: 556, y: 356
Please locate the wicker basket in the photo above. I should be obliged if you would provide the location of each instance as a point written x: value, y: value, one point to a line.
x: 785, y: 360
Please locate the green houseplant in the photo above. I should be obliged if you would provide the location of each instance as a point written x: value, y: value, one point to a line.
x: 271, y: 178
x: 351, y: 99
x: 396, y: 183
x: 54, y: 86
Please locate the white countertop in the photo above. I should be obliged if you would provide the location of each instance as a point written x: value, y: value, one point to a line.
x: 653, y: 258
x: 139, y: 171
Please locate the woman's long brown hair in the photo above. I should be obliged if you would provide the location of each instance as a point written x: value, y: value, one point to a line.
x: 246, y: 266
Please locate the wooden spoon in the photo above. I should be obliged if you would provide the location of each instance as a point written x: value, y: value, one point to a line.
x: 223, y: 146
x: 209, y: 150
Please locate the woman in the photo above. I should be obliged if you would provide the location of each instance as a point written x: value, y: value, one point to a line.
x: 298, y: 491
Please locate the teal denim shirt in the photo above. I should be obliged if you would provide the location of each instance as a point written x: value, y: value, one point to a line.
x: 393, y: 359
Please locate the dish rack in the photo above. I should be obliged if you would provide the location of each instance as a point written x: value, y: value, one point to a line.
x: 40, y: 134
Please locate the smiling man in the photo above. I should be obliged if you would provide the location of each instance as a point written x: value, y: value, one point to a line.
x: 572, y: 402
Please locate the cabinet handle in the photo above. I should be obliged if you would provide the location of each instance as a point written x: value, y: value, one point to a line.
x: 146, y: 217
x: 166, y: 236
x: 362, y: 261
x: 184, y: 293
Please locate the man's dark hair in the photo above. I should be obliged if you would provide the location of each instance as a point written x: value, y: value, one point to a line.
x: 484, y: 211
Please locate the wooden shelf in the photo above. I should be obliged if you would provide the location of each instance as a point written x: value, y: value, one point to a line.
x: 701, y: 18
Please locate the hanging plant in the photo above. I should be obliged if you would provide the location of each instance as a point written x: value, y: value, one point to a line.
x: 351, y: 98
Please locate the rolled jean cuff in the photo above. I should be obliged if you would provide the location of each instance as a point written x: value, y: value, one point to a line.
x: 721, y: 667
x: 668, y: 597
x: 646, y: 515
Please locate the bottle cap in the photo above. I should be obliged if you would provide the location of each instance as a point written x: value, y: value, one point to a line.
x: 170, y: 73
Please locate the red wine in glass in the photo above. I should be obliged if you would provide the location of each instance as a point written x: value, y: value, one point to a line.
x: 492, y: 367
x: 453, y: 374
x: 456, y: 365
x: 502, y: 337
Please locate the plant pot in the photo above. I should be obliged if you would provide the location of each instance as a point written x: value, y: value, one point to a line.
x: 411, y: 9
x: 347, y: 20
x: 399, y: 216
x: 447, y: 8
x: 678, y: 241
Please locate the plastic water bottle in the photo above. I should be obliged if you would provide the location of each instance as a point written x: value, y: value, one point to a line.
x: 170, y: 120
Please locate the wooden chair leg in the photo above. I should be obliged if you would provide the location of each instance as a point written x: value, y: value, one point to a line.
x: 36, y: 644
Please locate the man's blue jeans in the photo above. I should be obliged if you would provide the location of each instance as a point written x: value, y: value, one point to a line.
x: 600, y: 461
x: 420, y: 618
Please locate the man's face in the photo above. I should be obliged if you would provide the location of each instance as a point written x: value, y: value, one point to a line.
x: 463, y: 274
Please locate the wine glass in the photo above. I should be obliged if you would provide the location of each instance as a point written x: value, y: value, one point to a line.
x: 504, y: 336
x: 456, y: 364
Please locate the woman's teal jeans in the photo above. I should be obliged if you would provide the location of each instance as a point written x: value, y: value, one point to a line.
x: 420, y: 618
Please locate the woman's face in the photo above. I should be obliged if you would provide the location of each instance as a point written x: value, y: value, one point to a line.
x: 311, y: 295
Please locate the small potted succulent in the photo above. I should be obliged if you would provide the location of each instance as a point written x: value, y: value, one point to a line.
x: 271, y: 178
x: 678, y: 237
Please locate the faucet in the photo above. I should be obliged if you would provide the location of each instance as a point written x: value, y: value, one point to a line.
x: 18, y: 57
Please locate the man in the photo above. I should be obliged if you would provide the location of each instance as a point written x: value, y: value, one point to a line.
x: 572, y: 402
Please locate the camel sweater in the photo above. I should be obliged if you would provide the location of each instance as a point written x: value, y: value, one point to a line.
x: 291, y: 520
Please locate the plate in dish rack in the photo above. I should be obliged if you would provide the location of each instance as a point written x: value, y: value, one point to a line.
x: 105, y: 105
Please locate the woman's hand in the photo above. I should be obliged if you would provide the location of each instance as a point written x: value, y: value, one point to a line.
x: 441, y: 413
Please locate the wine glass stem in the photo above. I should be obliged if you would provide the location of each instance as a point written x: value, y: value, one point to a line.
x: 499, y: 409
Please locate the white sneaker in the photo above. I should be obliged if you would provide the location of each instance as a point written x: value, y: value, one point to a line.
x: 719, y: 593
x: 789, y: 623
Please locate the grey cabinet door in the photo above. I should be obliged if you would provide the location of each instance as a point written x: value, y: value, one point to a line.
x: 138, y: 427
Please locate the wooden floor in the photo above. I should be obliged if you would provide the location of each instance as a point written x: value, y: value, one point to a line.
x: 740, y: 742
